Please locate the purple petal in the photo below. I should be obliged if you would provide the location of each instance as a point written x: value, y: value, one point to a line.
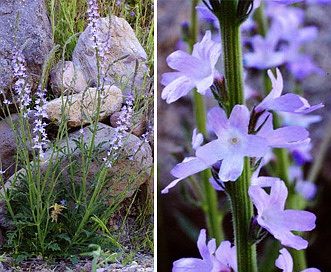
x: 204, y: 84
x: 191, y: 265
x: 239, y: 118
x: 188, y: 167
x: 212, y: 152
x: 299, y: 220
x: 259, y: 198
x: 171, y: 184
x: 256, y: 146
x: 184, y: 62
x: 226, y: 254
x: 285, y: 261
x: 217, y: 120
x: 231, y: 168
x: 201, y: 243
x: 177, y: 89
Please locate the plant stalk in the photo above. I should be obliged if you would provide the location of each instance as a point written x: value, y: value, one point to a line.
x: 241, y: 205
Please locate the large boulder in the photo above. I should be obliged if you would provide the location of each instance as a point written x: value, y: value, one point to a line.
x: 80, y: 108
x: 33, y: 28
x: 117, y: 35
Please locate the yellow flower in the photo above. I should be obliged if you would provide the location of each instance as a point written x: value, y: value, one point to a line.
x: 57, y: 209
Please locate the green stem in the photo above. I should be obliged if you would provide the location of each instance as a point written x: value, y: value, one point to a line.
x: 232, y: 54
x: 242, y: 215
x: 210, y: 202
x: 241, y: 205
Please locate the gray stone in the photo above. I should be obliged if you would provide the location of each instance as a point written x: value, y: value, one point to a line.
x: 134, y: 161
x: 123, y: 42
x: 8, y: 146
x: 33, y: 28
x: 66, y: 76
x: 80, y: 108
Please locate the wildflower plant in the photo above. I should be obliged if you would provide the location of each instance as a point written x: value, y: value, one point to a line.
x: 242, y: 139
x: 55, y: 207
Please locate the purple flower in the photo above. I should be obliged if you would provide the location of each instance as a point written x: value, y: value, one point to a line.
x: 233, y: 143
x: 306, y: 188
x: 222, y: 259
x: 196, y: 70
x: 285, y: 262
x: 284, y: 137
x: 197, y: 139
x: 285, y: 2
x: 280, y: 222
x: 288, y: 102
x: 265, y: 55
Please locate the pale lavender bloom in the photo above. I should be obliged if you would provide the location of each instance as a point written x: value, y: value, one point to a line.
x: 197, y: 139
x: 92, y: 12
x: 301, y: 152
x: 222, y: 259
x: 40, y: 140
x: 288, y: 102
x: 318, y: 2
x: 306, y: 188
x: 303, y: 66
x: 207, y: 15
x: 123, y: 123
x: 285, y: 262
x: 22, y: 88
x: 262, y: 181
x: 291, y: 119
x: 284, y: 2
x: 264, y: 53
x: 233, y: 143
x: 196, y: 70
x: 276, y: 220
x: 6, y: 101
x: 101, y: 42
x: 284, y: 137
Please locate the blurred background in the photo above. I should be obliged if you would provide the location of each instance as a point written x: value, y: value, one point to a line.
x: 179, y: 222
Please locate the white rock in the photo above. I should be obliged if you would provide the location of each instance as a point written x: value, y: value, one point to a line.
x: 122, y: 42
x: 67, y: 76
x: 81, y: 108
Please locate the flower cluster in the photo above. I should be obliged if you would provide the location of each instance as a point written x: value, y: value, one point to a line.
x: 22, y: 88
x: 123, y: 123
x: 278, y: 121
x: 221, y: 259
x: 40, y: 138
x: 101, y: 43
x: 282, y: 43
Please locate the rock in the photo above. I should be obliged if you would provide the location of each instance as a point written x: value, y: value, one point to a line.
x: 33, y: 28
x: 8, y: 147
x: 123, y: 42
x: 67, y: 76
x: 135, y: 160
x: 80, y: 108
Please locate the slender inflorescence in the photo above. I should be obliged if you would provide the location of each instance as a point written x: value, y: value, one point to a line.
x: 40, y: 139
x: 100, y: 42
x: 22, y: 87
x: 123, y: 123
